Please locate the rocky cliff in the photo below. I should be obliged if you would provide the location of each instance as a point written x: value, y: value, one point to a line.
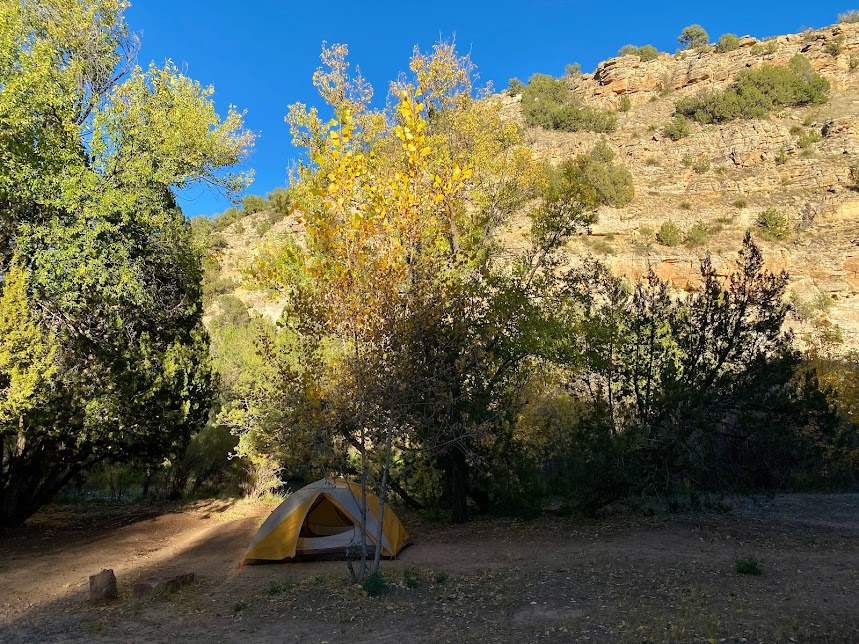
x: 720, y: 177
x: 723, y: 176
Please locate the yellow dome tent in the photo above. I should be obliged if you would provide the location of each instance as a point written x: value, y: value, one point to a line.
x: 324, y: 516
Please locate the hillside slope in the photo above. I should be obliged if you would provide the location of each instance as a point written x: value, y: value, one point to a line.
x: 721, y: 176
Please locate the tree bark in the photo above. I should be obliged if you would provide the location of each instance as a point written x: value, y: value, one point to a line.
x: 382, y: 494
x: 407, y: 498
x: 458, y: 486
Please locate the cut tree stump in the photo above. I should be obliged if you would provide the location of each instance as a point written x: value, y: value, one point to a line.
x: 102, y: 587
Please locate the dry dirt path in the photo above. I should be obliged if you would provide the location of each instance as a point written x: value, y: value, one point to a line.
x: 621, y: 579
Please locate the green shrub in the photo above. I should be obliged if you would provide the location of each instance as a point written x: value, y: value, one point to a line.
x: 653, y: 161
x: 697, y: 235
x: 205, y: 467
x: 766, y: 48
x: 781, y: 157
x: 232, y: 311
x: 669, y: 234
x: 374, y: 585
x: 410, y: 577
x: 727, y: 42
x: 593, y: 180
x: 441, y: 578
x: 685, y: 205
x: 677, y: 128
x: 810, y: 307
x: 281, y: 201
x: 687, y: 161
x: 645, y: 53
x: 278, y: 588
x: 849, y: 17
x: 666, y: 85
x: 853, y: 62
x: 809, y: 35
x: 701, y: 165
x: 253, y: 204
x: 625, y: 104
x: 574, y: 70
x: 275, y: 216
x: 548, y: 102
x: 773, y: 224
x: 757, y: 93
x: 515, y: 87
x: 601, y: 247
x: 227, y: 218
x: 740, y: 202
x: 835, y: 46
x: 693, y: 37
x: 215, y: 285
x: 749, y: 566
x: 806, y: 139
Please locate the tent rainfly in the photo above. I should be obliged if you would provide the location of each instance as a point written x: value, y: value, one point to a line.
x: 324, y: 516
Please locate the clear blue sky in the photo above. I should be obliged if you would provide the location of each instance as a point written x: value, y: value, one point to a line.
x: 260, y: 54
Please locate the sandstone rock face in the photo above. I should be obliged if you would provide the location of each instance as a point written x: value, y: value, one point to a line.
x: 800, y: 161
x: 690, y: 71
x: 102, y: 587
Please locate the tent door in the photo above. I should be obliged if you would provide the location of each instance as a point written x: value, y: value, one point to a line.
x: 325, y: 519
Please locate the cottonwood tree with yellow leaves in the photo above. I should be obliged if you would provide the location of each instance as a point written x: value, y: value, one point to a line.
x: 410, y: 327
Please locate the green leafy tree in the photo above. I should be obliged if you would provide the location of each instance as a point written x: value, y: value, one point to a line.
x: 692, y: 37
x: 92, y: 147
x: 700, y: 391
x: 27, y: 352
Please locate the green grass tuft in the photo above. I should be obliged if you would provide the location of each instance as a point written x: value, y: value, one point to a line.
x: 749, y: 566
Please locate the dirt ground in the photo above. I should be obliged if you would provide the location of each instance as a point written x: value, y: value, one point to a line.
x: 622, y: 579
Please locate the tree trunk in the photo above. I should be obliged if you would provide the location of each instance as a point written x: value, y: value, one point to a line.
x: 458, y: 486
x: 363, y: 571
x: 382, y: 493
x: 407, y: 498
x: 26, y: 491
